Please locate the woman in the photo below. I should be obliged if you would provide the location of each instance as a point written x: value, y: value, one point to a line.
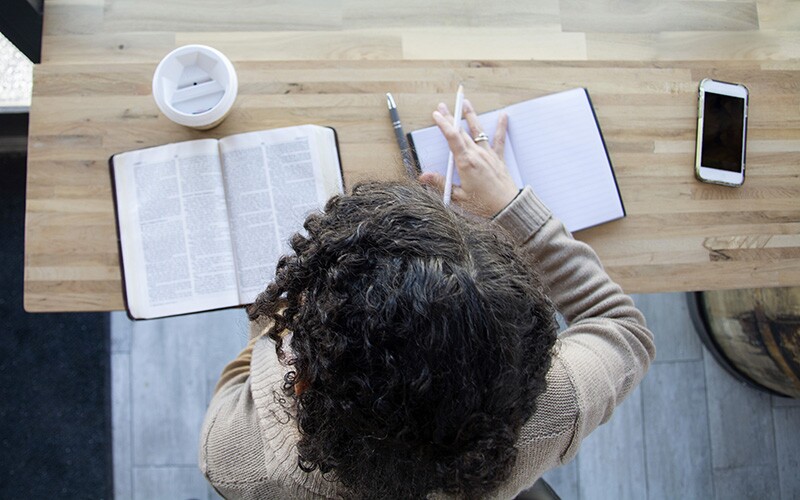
x: 407, y: 349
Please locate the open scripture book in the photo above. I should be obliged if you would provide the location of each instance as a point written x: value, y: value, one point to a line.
x: 202, y: 223
x: 554, y: 144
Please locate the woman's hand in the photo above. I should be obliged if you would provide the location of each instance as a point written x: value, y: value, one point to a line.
x: 486, y: 186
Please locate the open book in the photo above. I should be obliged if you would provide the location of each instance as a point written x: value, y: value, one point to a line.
x: 202, y: 223
x: 554, y: 144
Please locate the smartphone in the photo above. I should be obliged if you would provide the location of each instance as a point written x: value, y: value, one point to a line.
x: 721, y: 132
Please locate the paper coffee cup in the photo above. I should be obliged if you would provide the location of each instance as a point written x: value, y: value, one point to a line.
x: 195, y: 86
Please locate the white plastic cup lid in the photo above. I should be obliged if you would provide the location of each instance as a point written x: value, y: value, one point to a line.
x: 195, y: 86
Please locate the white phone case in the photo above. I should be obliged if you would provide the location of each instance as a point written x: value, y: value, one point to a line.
x: 709, y: 174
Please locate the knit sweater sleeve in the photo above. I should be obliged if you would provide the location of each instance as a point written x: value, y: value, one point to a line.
x: 232, y: 454
x: 606, y: 349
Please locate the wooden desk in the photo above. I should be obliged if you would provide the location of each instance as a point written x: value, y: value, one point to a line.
x: 92, y: 99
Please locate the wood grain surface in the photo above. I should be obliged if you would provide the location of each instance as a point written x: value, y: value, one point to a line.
x: 330, y: 63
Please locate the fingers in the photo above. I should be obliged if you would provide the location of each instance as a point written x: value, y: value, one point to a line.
x: 474, y: 125
x: 499, y: 143
x: 459, y: 195
x: 486, y: 186
x: 442, y: 108
x: 433, y: 180
x: 437, y: 182
x: 454, y: 138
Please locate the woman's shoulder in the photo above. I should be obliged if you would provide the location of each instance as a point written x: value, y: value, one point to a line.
x: 556, y: 408
x: 248, y: 446
x: 231, y: 450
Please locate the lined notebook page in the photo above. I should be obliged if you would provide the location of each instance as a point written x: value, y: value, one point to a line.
x: 431, y: 148
x: 560, y: 154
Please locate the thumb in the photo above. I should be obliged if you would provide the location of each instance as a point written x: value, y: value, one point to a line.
x: 437, y: 181
x: 432, y: 179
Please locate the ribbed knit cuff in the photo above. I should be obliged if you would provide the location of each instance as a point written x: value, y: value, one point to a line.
x: 524, y: 216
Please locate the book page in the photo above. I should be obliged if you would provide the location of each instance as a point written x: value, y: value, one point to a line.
x: 273, y: 180
x: 175, y: 239
x: 432, y: 149
x: 560, y: 153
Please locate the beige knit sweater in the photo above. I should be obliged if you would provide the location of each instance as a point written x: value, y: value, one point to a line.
x: 248, y: 443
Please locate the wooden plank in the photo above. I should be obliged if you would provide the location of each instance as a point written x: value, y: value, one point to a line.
x: 654, y: 16
x: 698, y: 46
x: 169, y: 482
x: 62, y: 18
x: 778, y: 15
x: 59, y: 295
x: 185, y: 15
x: 564, y: 480
x: 121, y: 423
x: 667, y: 316
x: 121, y: 331
x: 166, y: 427
x: 780, y: 402
x: 742, y: 437
x: 754, y: 482
x: 108, y: 48
x: 740, y: 421
x: 300, y: 45
x: 787, y: 444
x: 169, y: 392
x: 226, y: 334
x: 611, y: 462
x: 676, y: 434
x: 487, y: 43
x: 366, y: 14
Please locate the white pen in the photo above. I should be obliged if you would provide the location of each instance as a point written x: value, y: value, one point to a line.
x: 448, y: 181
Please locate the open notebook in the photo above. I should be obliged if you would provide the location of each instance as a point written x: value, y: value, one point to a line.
x: 554, y: 145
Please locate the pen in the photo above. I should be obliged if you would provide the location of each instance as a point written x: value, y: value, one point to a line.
x: 448, y: 182
x: 405, y: 151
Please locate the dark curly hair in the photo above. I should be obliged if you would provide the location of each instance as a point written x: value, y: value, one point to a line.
x: 420, y: 341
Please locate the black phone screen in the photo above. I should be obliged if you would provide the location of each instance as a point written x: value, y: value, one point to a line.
x: 723, y: 132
